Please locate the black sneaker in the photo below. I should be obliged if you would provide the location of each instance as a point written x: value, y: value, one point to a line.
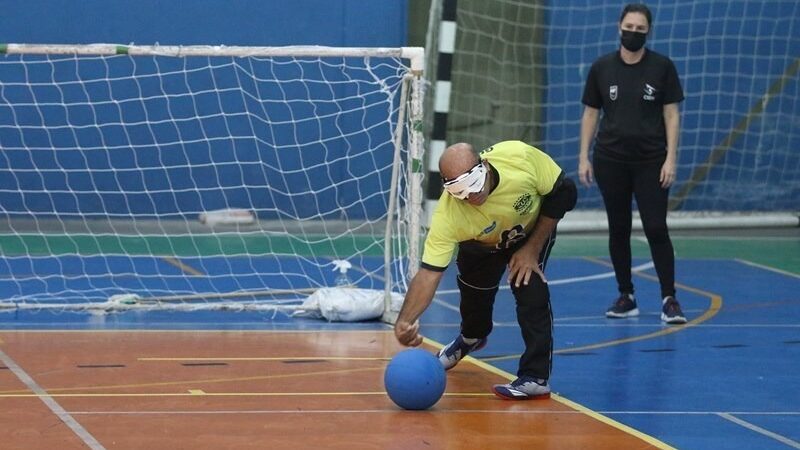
x: 624, y: 306
x: 523, y: 388
x: 671, y: 311
x: 451, y: 354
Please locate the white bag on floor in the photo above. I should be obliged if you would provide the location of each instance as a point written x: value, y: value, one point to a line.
x: 345, y: 304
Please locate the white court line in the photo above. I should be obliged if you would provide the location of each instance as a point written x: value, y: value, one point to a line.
x: 771, y: 269
x: 437, y: 411
x: 627, y: 324
x: 733, y: 238
x: 599, y: 276
x: 322, y: 411
x: 757, y: 429
x: 446, y: 305
x: 85, y: 436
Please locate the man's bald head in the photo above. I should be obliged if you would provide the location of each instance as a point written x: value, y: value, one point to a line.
x: 456, y: 160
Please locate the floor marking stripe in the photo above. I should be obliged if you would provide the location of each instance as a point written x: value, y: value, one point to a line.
x: 328, y: 411
x: 435, y: 410
x: 599, y: 276
x: 767, y: 268
x: 645, y: 325
x: 757, y: 429
x: 182, y: 383
x: 68, y: 420
x: 609, y: 421
x: 272, y: 358
x: 192, y: 330
x: 200, y: 392
x: 716, y: 305
x: 566, y: 402
x: 713, y: 309
x: 182, y: 266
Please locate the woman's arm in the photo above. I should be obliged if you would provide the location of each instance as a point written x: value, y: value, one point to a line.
x: 672, y: 125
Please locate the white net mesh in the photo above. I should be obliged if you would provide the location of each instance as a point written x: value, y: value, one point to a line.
x: 202, y: 179
x: 519, y: 69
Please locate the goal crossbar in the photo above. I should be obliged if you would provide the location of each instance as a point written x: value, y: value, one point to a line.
x: 414, y: 54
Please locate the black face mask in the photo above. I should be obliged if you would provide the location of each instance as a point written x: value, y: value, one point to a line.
x: 632, y: 40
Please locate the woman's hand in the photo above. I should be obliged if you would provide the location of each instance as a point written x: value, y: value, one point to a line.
x: 585, y: 172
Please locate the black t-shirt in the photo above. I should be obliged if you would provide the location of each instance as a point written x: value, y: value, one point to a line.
x: 632, y: 97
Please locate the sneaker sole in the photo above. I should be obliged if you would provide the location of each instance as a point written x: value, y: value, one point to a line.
x: 673, y: 320
x: 516, y: 399
x: 632, y: 313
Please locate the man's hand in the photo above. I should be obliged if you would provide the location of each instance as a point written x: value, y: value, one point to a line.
x: 522, y: 264
x: 525, y: 261
x: 418, y: 298
x: 407, y: 333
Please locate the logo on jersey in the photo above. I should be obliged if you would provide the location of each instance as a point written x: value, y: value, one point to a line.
x: 523, y: 204
x: 489, y: 229
x: 511, y: 237
x: 649, y: 92
x: 612, y: 92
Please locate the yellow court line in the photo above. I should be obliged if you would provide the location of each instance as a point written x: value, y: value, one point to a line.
x: 195, y: 393
x: 182, y: 266
x: 716, y: 305
x: 713, y: 309
x: 569, y: 403
x: 273, y: 358
x: 194, y: 382
x: 611, y: 422
x: 201, y: 393
x: 165, y: 331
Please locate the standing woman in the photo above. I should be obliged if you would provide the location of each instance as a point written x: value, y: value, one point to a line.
x: 635, y: 153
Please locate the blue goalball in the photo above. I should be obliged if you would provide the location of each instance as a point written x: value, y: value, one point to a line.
x: 415, y: 379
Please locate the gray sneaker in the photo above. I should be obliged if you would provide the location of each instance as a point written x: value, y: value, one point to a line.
x: 523, y: 388
x: 671, y: 311
x: 451, y: 354
x: 624, y: 306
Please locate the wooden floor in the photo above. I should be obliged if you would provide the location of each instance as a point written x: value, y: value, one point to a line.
x: 269, y: 390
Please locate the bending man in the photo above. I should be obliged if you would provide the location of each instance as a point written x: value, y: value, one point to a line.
x: 499, y: 209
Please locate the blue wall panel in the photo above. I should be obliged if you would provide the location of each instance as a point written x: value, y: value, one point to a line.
x: 218, y: 22
x: 177, y: 153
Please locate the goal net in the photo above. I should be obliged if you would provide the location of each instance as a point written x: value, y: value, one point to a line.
x: 206, y: 177
x: 518, y: 71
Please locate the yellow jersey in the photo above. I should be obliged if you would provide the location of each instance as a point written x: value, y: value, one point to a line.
x: 526, y: 174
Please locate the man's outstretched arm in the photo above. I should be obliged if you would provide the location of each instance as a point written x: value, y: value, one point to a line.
x: 418, y: 298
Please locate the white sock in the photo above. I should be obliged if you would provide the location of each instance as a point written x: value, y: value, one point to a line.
x: 469, y: 341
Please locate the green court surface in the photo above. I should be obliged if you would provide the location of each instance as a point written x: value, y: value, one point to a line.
x: 777, y: 248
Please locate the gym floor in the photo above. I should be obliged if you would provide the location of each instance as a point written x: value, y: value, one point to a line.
x: 727, y: 379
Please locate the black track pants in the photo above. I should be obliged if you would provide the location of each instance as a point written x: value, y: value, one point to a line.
x: 480, y: 275
x: 619, y: 183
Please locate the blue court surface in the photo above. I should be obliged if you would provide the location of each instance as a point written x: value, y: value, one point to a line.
x: 727, y: 379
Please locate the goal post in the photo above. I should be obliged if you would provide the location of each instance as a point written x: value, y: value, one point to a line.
x: 213, y: 177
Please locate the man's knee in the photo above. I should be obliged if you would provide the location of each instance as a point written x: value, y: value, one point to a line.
x: 477, y: 305
x: 533, y: 296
